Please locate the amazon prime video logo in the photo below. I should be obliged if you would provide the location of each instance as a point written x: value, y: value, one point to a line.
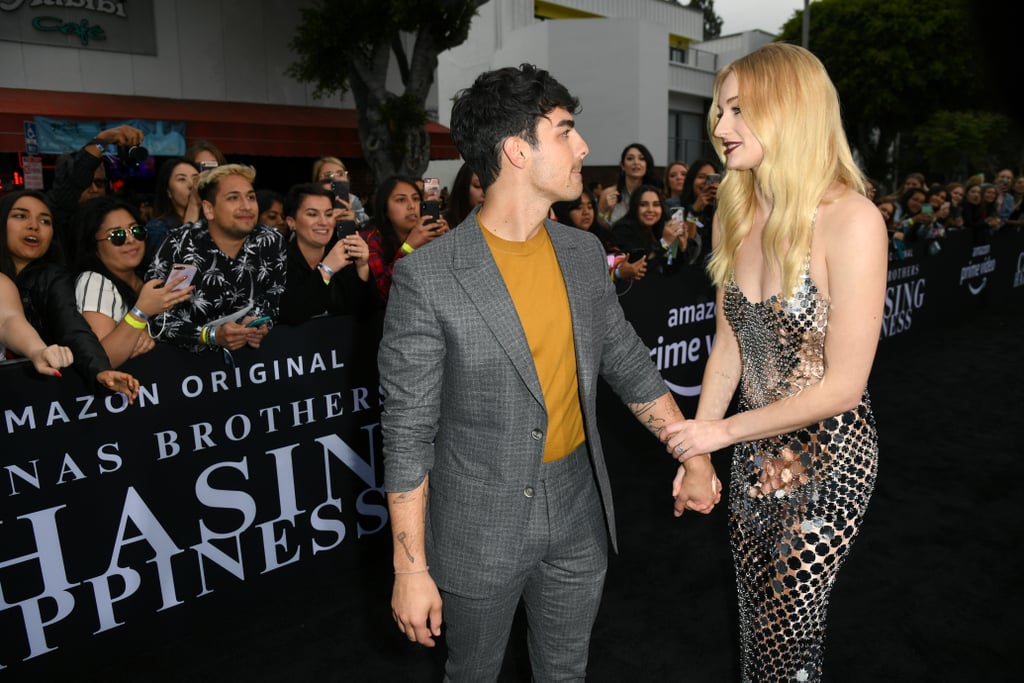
x: 975, y: 273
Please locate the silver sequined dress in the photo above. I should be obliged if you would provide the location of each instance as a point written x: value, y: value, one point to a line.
x: 789, y: 538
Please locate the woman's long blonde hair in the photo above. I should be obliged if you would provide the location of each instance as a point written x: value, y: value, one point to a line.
x: 791, y: 106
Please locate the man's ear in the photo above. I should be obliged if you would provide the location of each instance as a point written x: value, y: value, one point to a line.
x: 514, y: 149
x: 208, y: 210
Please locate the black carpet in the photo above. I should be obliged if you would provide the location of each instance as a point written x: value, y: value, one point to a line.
x: 930, y: 592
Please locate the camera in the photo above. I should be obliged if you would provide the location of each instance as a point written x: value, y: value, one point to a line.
x: 132, y: 156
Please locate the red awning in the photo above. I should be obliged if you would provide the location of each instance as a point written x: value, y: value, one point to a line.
x: 234, y: 127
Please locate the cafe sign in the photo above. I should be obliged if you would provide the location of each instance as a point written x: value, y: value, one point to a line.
x: 109, y: 25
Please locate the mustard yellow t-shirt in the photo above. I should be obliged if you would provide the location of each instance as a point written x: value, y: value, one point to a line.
x: 534, y: 280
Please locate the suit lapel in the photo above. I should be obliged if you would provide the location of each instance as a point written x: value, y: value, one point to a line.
x: 478, y: 274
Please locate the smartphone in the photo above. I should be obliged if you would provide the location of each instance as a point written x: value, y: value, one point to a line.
x: 345, y: 228
x: 340, y: 188
x: 179, y: 269
x: 431, y: 189
x: 678, y: 214
x: 207, y: 165
x: 713, y: 178
x: 430, y: 208
x: 637, y: 254
x: 256, y: 322
x: 927, y: 209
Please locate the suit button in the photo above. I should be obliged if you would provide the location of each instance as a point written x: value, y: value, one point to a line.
x: 537, y: 435
x: 528, y: 492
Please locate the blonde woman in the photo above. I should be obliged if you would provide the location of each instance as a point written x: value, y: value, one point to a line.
x: 800, y: 263
x: 330, y: 170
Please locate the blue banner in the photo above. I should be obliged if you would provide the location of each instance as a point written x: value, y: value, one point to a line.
x: 56, y: 136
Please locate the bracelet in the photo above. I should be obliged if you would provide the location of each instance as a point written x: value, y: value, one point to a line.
x: 211, y: 336
x: 97, y: 143
x: 326, y: 269
x: 617, y: 273
x: 407, y: 248
x: 414, y: 571
x: 137, y: 324
x: 137, y: 312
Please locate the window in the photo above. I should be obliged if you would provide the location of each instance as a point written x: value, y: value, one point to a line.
x: 687, y: 138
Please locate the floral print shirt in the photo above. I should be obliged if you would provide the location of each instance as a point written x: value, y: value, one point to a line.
x: 223, y: 285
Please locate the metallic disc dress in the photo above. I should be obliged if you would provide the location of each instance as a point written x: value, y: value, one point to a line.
x: 791, y: 532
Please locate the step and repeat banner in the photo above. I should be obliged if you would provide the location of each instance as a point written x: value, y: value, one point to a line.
x: 116, y: 519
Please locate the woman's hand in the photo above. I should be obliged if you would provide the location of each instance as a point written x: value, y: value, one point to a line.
x: 674, y: 230
x: 426, y: 231
x: 155, y: 298
x: 687, y: 438
x: 48, y: 360
x: 609, y: 198
x: 121, y: 382
x: 143, y: 344
x: 343, y: 210
x: 630, y: 272
x: 193, y: 206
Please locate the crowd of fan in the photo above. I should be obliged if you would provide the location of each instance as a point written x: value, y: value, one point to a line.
x: 921, y: 214
x: 90, y: 280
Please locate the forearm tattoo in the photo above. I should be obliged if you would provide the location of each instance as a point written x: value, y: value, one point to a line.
x: 405, y: 546
x: 654, y: 424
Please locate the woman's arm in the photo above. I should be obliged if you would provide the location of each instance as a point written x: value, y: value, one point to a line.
x: 855, y: 257
x: 17, y: 334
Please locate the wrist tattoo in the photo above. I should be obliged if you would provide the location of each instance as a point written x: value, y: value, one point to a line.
x: 401, y: 539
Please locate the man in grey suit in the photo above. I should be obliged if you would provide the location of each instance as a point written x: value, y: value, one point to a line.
x: 494, y: 339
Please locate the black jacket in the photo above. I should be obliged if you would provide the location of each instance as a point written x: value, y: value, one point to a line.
x: 306, y: 295
x: 48, y: 296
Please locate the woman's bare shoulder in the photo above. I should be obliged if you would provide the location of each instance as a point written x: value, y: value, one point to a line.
x: 850, y: 217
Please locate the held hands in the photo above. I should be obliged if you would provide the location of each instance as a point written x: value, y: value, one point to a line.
x: 694, y: 489
x: 416, y: 607
x: 48, y: 360
x: 426, y: 230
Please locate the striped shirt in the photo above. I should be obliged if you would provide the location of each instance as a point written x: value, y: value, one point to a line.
x: 96, y: 293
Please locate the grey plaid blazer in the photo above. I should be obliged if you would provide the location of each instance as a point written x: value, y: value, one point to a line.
x: 463, y: 402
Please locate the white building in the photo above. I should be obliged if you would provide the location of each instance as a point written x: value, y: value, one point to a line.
x: 218, y: 66
x: 638, y: 66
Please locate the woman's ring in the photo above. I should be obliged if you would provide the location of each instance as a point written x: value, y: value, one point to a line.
x: 680, y: 450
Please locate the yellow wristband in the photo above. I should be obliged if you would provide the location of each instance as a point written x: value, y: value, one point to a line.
x: 407, y: 248
x: 137, y: 324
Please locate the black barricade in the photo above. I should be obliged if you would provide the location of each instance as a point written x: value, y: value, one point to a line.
x: 223, y: 472
x: 233, y: 478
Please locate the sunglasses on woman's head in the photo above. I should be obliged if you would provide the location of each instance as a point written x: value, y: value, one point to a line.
x: 118, y: 236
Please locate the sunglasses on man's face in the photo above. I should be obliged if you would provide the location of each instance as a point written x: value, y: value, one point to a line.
x: 118, y: 236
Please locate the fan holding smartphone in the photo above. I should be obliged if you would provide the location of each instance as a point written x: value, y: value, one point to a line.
x: 332, y: 174
x: 399, y: 227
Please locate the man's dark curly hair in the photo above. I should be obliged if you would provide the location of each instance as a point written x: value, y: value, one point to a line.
x: 501, y: 104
